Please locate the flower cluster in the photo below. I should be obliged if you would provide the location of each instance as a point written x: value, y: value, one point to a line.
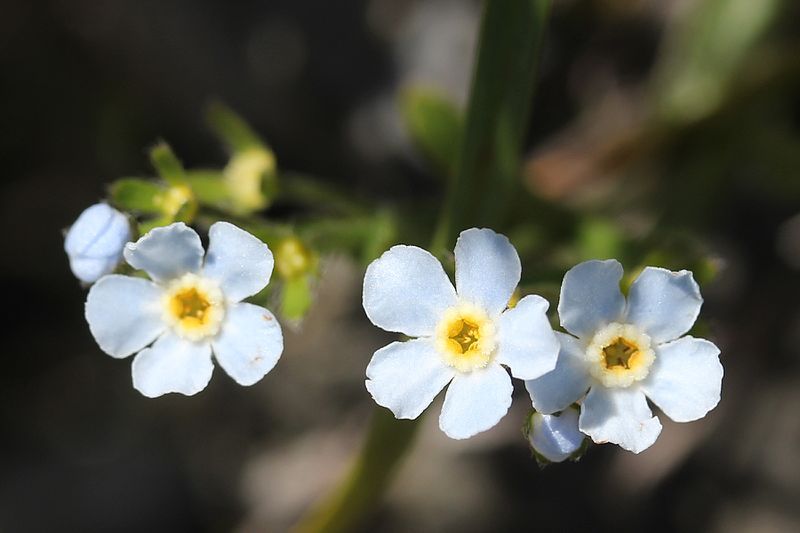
x: 618, y: 354
x: 594, y: 380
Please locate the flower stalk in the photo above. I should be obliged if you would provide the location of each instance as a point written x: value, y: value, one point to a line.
x: 486, y: 176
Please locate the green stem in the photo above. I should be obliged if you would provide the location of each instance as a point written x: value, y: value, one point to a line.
x: 487, y: 173
x: 488, y: 167
x: 387, y: 442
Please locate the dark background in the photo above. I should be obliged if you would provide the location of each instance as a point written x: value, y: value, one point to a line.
x: 88, y: 86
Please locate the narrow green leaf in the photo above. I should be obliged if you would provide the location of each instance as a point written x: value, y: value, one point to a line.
x: 705, y: 47
x: 434, y: 124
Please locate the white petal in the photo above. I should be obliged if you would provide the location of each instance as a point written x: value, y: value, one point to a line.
x: 406, y: 376
x: 590, y: 297
x: 620, y: 416
x: 566, y: 384
x: 526, y: 342
x: 556, y: 437
x: 487, y: 269
x: 94, y: 242
x: 166, y: 253
x: 476, y: 401
x: 249, y: 344
x: 406, y: 290
x: 686, y: 378
x: 124, y: 314
x: 239, y: 261
x: 663, y: 303
x: 172, y: 364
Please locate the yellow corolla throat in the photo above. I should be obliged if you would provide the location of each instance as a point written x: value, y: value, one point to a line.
x: 465, y: 337
x: 619, y: 355
x: 194, y: 307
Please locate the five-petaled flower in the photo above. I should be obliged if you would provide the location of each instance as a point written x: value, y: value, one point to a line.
x: 191, y: 307
x: 462, y: 335
x: 624, y: 352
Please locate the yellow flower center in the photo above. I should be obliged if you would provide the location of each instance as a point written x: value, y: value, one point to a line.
x: 622, y: 353
x: 465, y: 337
x: 464, y: 334
x: 194, y: 307
x: 619, y: 355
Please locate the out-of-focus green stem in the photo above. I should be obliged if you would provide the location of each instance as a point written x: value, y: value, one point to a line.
x: 488, y: 166
x: 386, y: 444
x: 487, y: 172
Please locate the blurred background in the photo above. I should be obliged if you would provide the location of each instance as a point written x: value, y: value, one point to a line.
x: 662, y: 132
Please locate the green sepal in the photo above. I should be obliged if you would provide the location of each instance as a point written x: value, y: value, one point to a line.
x: 209, y: 188
x: 167, y: 164
x: 231, y: 129
x: 136, y: 195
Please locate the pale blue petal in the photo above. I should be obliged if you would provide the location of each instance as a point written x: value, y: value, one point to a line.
x: 556, y: 437
x: 406, y: 290
x: 566, y: 384
x: 124, y: 314
x: 240, y: 262
x: 166, y: 253
x: 526, y: 342
x: 590, y: 297
x: 249, y: 344
x: 172, y: 364
x: 664, y: 304
x: 405, y: 377
x: 476, y: 401
x: 619, y: 416
x: 487, y: 269
x: 95, y: 241
x: 686, y: 378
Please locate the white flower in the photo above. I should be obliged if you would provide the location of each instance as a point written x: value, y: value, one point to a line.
x: 625, y: 352
x: 191, y: 308
x: 555, y: 437
x: 94, y: 242
x: 463, y: 334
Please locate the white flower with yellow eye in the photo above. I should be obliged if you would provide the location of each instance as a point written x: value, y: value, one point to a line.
x: 192, y: 308
x: 624, y: 352
x: 463, y: 334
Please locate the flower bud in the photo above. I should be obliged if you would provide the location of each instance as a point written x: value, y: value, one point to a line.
x: 555, y: 437
x: 95, y: 241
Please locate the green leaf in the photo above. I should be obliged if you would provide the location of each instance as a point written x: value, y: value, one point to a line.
x: 704, y: 49
x: 434, y: 124
x: 167, y: 164
x: 488, y: 171
x: 296, y: 297
x: 137, y: 195
x: 232, y: 129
